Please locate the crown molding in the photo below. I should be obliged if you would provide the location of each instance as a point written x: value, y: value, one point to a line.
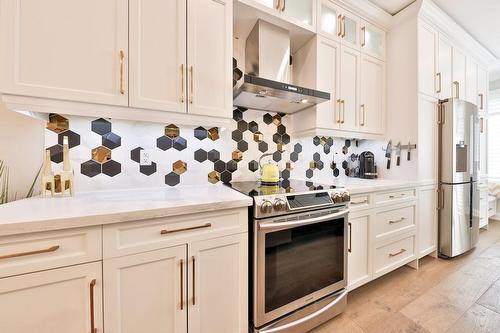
x: 369, y: 11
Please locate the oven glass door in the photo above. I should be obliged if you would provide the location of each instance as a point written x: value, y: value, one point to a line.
x: 300, y: 263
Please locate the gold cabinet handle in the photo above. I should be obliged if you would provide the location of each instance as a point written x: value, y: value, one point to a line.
x: 363, y: 115
x: 122, y: 66
x: 182, y: 284
x: 194, y: 280
x: 191, y: 82
x: 343, y: 111
x: 481, y: 125
x: 30, y: 253
x: 284, y: 6
x: 397, y: 253
x: 397, y: 196
x: 339, y: 25
x: 182, y: 83
x: 481, y: 96
x: 165, y: 231
x: 343, y: 26
x: 363, y: 34
x: 349, y: 226
x: 457, y: 88
x: 438, y: 90
x: 337, y: 115
x: 278, y: 5
x: 359, y: 202
x: 397, y: 221
x: 93, y: 329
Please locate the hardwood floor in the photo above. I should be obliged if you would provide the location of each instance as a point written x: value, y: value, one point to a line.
x: 457, y: 295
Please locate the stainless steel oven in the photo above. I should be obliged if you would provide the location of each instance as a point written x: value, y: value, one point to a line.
x: 299, y: 259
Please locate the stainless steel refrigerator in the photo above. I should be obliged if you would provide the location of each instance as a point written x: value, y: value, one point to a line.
x: 458, y: 172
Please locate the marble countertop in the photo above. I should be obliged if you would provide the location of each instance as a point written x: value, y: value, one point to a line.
x: 104, y: 207
x: 357, y: 185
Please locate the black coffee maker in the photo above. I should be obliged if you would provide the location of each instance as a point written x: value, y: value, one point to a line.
x: 367, y: 166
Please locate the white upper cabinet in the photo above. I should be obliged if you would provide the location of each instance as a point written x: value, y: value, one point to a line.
x: 350, y: 65
x: 209, y: 61
x: 427, y: 42
x: 65, y: 49
x: 444, y: 74
x: 372, y: 40
x: 328, y: 57
x: 458, y: 74
x: 158, y: 54
x: 371, y: 111
x: 329, y: 19
x: 471, y: 81
x: 350, y: 29
x: 482, y: 89
x: 302, y: 11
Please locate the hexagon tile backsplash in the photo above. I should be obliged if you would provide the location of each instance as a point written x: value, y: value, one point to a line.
x: 107, y: 154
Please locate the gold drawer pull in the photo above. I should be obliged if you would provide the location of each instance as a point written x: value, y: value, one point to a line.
x: 397, y: 221
x: 206, y: 225
x: 30, y: 253
x: 359, y: 202
x: 397, y: 253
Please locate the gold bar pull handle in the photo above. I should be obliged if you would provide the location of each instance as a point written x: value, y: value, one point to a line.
x: 349, y: 247
x: 397, y: 253
x: 182, y: 83
x: 278, y: 4
x: 182, y: 284
x: 457, y: 88
x: 122, y: 69
x: 191, y: 84
x: 362, y: 115
x: 363, y: 34
x: 481, y: 103
x: 339, y: 25
x: 481, y: 125
x: 337, y: 116
x: 284, y: 6
x: 397, y: 221
x: 165, y: 231
x: 343, y: 26
x: 194, y: 280
x: 438, y: 90
x: 93, y: 329
x: 30, y: 253
x: 343, y: 111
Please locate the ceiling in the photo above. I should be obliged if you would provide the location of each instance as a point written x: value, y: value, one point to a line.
x: 392, y: 6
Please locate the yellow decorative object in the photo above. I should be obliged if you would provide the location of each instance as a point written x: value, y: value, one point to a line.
x: 269, y: 172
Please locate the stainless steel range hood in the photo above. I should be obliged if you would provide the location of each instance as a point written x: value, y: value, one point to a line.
x: 265, y: 86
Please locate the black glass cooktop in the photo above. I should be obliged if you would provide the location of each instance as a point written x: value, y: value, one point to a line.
x: 254, y: 188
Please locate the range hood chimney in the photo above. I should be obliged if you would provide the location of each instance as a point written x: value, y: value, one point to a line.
x: 265, y: 86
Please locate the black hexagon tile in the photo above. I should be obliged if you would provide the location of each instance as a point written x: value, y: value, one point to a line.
x: 277, y: 138
x: 226, y: 177
x: 200, y: 155
x: 345, y: 165
x: 232, y: 166
x: 242, y: 125
x: 281, y: 129
x: 329, y: 141
x: 347, y: 143
x: 172, y: 179
x: 294, y: 157
x: 326, y: 149
x: 56, y: 153
x: 297, y: 148
x: 180, y: 143
x: 219, y: 166
x: 90, y: 168
x: 111, y: 168
x: 319, y: 165
x: 242, y: 146
x: 100, y: 126
x: 135, y: 154
x: 316, y: 140
x: 285, y: 174
x: 242, y: 109
x: 285, y: 138
x: 237, y: 135
x: 237, y: 115
x: 73, y: 138
x: 164, y: 142
x: 316, y: 157
x: 277, y: 156
x: 213, y: 155
x: 263, y: 146
x: 148, y: 170
x: 336, y: 172
x: 111, y: 140
x: 200, y: 133
x: 285, y: 183
x: 253, y: 126
x: 253, y: 166
x: 267, y: 118
x: 309, y: 173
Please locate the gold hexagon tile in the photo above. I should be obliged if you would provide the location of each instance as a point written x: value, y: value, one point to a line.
x: 213, y: 177
x: 277, y: 120
x: 237, y: 155
x: 312, y: 165
x: 290, y: 165
x: 172, y: 131
x: 258, y: 137
x: 179, y: 167
x: 57, y: 123
x: 322, y: 141
x: 281, y: 147
x: 101, y: 154
x: 289, y: 189
x: 213, y: 133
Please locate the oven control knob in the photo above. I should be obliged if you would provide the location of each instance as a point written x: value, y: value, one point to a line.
x: 337, y: 198
x: 266, y: 207
x: 279, y: 205
x: 346, y: 197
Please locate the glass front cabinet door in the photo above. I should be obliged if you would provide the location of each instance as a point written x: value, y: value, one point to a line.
x: 298, y: 11
x: 372, y: 40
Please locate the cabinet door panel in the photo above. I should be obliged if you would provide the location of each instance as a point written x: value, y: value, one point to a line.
x: 210, y: 33
x: 444, y: 78
x: 328, y: 78
x: 53, y: 301
x: 329, y: 19
x: 65, y: 49
x: 427, y: 60
x: 471, y: 81
x: 458, y: 67
x: 350, y: 30
x: 349, y: 78
x: 218, y: 298
x: 427, y: 221
x: 372, y: 40
x: 358, y: 256
x: 158, y: 54
x: 372, y: 95
x: 143, y: 292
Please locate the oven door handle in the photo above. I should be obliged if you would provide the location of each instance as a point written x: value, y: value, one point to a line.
x: 292, y: 224
x: 307, y: 318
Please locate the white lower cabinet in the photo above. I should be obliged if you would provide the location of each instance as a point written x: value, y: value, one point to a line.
x: 427, y: 220
x: 55, y: 301
x: 358, y: 256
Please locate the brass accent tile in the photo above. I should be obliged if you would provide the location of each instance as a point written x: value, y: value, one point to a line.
x: 277, y: 120
x: 323, y: 140
x: 57, y: 123
x: 172, y: 131
x: 312, y: 165
x: 281, y: 147
x: 290, y: 165
x: 213, y: 177
x: 237, y: 155
x: 258, y: 137
x: 179, y: 167
x: 213, y: 133
x: 101, y: 154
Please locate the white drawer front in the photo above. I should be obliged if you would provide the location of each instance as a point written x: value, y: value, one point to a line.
x: 360, y: 201
x: 45, y: 250
x: 394, y: 255
x: 140, y: 236
x: 394, y: 221
x: 396, y: 196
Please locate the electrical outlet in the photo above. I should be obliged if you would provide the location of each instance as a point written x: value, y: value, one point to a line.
x: 145, y: 158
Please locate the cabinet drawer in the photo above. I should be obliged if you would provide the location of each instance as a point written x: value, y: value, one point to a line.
x: 396, y: 196
x: 394, y: 255
x: 394, y: 221
x: 360, y: 201
x: 45, y: 250
x: 140, y: 236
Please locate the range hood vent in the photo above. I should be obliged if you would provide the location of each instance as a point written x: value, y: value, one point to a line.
x: 265, y: 86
